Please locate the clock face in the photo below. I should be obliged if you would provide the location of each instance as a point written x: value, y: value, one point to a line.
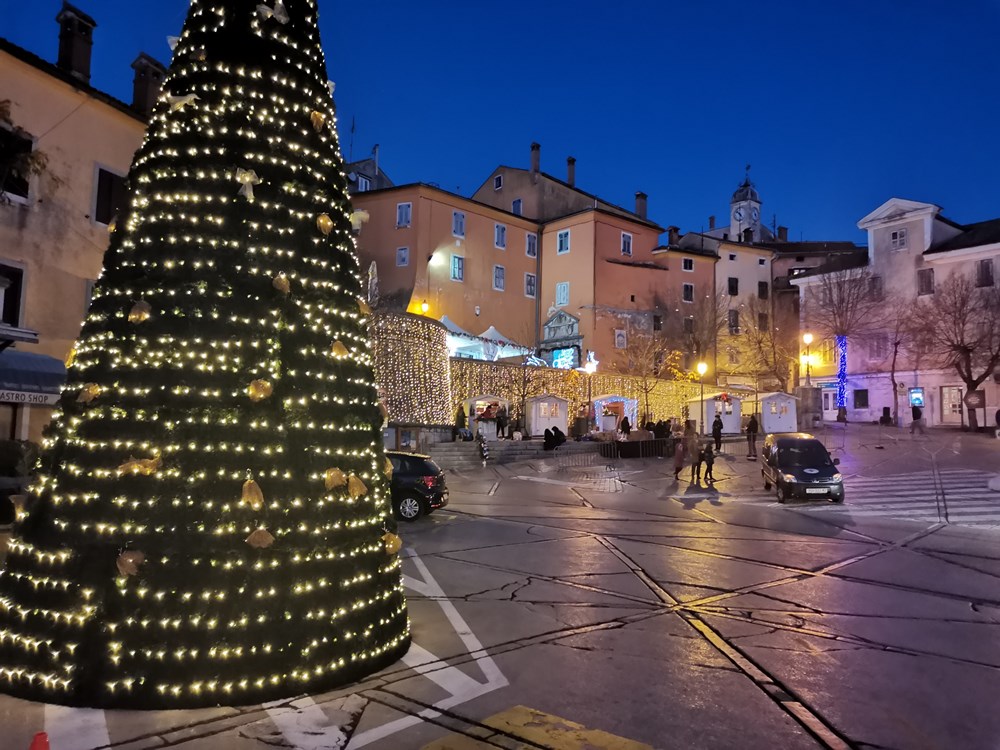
x: 738, y: 214
x: 755, y: 215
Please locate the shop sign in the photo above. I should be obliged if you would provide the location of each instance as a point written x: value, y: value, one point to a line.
x: 28, y: 398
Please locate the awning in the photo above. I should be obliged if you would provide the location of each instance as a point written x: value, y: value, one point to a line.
x: 31, y: 373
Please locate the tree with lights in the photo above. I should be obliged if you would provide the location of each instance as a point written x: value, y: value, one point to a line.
x: 210, y: 522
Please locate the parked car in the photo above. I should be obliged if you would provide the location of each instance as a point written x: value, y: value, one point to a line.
x: 799, y: 465
x: 418, y: 485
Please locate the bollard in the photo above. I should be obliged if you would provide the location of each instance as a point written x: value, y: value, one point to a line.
x: 40, y: 742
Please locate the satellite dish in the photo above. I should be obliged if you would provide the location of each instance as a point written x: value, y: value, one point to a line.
x: 352, y: 176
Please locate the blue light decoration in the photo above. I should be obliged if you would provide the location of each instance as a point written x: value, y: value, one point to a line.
x: 841, y: 372
x: 564, y: 359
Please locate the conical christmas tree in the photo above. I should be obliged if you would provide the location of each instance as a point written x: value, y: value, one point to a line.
x: 211, y: 521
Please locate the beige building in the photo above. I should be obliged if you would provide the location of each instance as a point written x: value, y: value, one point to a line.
x: 54, y: 224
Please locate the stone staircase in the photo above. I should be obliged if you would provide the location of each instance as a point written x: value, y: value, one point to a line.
x: 462, y: 456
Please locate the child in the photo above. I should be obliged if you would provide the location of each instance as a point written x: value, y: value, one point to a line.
x: 697, y: 456
x: 709, y: 462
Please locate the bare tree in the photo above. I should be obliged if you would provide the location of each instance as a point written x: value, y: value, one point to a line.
x: 900, y: 331
x: 844, y: 304
x: 694, y: 327
x: 962, y: 323
x: 767, y: 345
x: 649, y: 357
x: 14, y: 162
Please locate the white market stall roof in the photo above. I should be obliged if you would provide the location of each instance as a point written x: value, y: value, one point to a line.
x: 490, y: 345
x: 715, y: 394
x: 772, y: 394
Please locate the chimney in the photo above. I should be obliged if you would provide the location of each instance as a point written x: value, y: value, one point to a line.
x: 782, y: 234
x: 748, y: 235
x: 641, y: 204
x: 76, y: 31
x: 149, y: 75
x: 673, y: 235
x: 711, y: 223
x: 571, y: 171
x: 536, y: 158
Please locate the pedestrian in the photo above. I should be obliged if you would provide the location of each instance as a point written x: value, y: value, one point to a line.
x: 752, y: 438
x: 559, y: 435
x: 709, y: 463
x: 679, y: 446
x: 502, y: 423
x: 625, y: 426
x: 918, y: 420
x: 696, y: 460
x: 717, y: 432
x: 549, y: 440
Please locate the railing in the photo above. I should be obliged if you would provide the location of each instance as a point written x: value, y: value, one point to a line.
x: 657, y: 448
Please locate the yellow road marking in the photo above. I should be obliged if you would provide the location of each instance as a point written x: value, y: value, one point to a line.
x: 540, y: 729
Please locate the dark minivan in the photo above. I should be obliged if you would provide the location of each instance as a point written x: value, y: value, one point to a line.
x: 417, y: 485
x: 799, y: 465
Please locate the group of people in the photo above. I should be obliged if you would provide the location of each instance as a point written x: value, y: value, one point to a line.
x: 690, y: 449
x: 553, y: 438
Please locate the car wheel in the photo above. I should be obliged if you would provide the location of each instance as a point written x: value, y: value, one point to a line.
x: 839, y: 500
x: 782, y: 493
x: 409, y: 508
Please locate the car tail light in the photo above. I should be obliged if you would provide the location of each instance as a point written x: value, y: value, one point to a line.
x: 430, y: 482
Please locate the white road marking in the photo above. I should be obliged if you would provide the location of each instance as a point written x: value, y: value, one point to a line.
x: 76, y: 728
x: 306, y: 726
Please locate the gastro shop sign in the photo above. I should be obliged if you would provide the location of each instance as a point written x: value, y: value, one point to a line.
x: 28, y: 398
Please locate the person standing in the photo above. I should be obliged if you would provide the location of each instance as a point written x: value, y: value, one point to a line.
x: 625, y: 426
x: 918, y: 420
x: 502, y: 423
x: 752, y: 430
x: 697, y: 456
x: 717, y: 432
x: 679, y: 446
x: 709, y: 463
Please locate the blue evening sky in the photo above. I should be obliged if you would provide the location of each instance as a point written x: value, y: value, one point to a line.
x: 838, y: 106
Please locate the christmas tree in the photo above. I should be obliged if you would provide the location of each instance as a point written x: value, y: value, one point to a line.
x: 211, y: 524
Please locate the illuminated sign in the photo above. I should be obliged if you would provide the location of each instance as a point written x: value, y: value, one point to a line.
x: 564, y: 359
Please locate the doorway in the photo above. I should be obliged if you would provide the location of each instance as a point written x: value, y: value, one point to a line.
x: 951, y: 404
x: 829, y: 405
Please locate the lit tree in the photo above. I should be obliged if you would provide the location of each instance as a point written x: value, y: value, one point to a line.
x: 960, y: 325
x: 766, y: 345
x: 649, y: 357
x: 209, y: 523
x: 696, y: 325
x: 843, y: 304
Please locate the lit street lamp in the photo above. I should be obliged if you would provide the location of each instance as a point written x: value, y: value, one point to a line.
x: 808, y: 339
x: 590, y: 368
x: 702, y: 369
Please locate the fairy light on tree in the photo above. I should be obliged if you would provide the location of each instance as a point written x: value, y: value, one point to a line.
x: 210, y: 522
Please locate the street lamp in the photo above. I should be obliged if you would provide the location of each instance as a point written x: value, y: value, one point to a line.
x: 702, y: 369
x: 590, y: 368
x: 808, y: 339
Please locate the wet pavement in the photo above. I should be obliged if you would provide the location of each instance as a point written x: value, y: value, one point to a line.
x: 571, y: 604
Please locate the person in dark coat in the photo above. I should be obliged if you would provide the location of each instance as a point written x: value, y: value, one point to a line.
x: 752, y: 431
x: 625, y: 426
x: 717, y: 432
x: 549, y: 440
x: 502, y: 423
x: 709, y: 457
x: 918, y: 420
x: 559, y: 435
x: 697, y: 456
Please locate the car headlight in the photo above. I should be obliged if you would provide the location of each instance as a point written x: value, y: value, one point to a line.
x: 788, y: 477
x: 837, y: 478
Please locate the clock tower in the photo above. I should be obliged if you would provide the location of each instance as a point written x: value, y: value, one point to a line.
x: 744, y: 210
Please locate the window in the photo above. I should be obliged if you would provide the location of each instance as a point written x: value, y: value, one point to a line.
x: 498, y: 182
x: 110, y: 196
x: 531, y: 245
x: 458, y: 223
x: 458, y: 268
x: 861, y: 398
x: 732, y: 256
x: 826, y: 351
x: 878, y: 346
x: 689, y: 325
x: 364, y: 184
x: 875, y: 287
x: 500, y: 236
x: 515, y: 207
x: 404, y: 213
x: 626, y: 244
x: 11, y: 284
x: 687, y: 293
x: 984, y: 272
x: 897, y: 239
x: 562, y: 242
x: 761, y: 261
x: 562, y: 293
x: 763, y: 322
x: 762, y: 290
x: 402, y: 256
x: 15, y: 150
x: 925, y: 281
x: 657, y: 322
x: 621, y: 339
x: 499, y: 278
x: 529, y: 285
x: 734, y: 322
x: 734, y: 287
x: 687, y: 264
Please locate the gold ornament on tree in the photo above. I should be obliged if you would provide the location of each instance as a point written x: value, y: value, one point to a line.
x: 334, y: 478
x: 282, y: 284
x: 143, y: 466
x: 252, y: 495
x: 19, y: 502
x: 356, y: 488
x: 318, y: 120
x: 88, y: 393
x: 338, y: 350
x: 387, y: 469
x: 71, y: 357
x: 258, y: 390
x: 247, y: 178
x: 364, y: 308
x: 278, y: 13
x: 392, y: 542
x: 324, y: 223
x: 140, y: 312
x: 128, y: 563
x: 260, y: 539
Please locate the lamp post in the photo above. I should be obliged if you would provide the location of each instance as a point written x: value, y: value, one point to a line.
x: 702, y: 369
x: 808, y: 339
x: 590, y: 368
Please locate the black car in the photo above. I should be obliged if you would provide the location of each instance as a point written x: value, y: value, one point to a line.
x: 417, y: 485
x: 799, y: 465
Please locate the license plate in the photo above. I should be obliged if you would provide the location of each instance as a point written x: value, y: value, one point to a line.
x: 816, y: 490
